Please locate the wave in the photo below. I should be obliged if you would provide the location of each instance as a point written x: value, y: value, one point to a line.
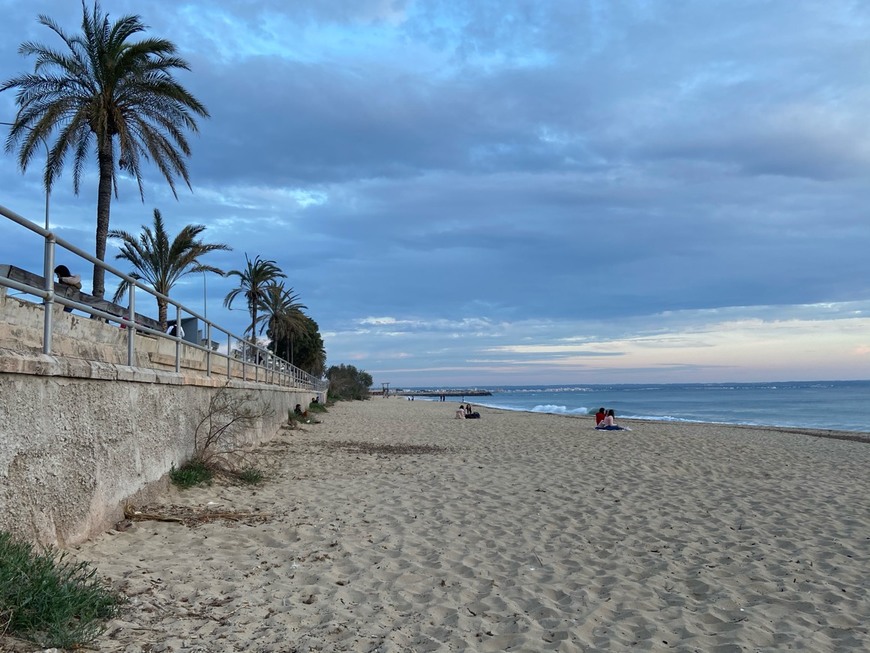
x: 540, y: 408
x: 560, y: 410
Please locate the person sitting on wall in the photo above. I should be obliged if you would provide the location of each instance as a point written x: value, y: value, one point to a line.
x: 175, y: 329
x: 67, y: 278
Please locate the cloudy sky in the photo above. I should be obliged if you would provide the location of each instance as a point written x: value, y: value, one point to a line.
x: 514, y: 192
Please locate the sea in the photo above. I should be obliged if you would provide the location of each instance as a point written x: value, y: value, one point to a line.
x: 837, y: 405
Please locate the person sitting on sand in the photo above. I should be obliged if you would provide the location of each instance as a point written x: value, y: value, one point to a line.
x: 470, y: 414
x: 609, y: 422
x: 600, y: 415
x: 303, y: 415
x: 460, y: 412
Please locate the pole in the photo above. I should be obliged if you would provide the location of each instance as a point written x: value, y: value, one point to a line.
x: 204, y: 297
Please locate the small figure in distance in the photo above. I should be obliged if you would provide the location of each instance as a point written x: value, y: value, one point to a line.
x: 600, y: 415
x: 469, y: 414
x: 460, y: 412
x: 609, y: 423
x: 175, y: 329
x: 67, y: 278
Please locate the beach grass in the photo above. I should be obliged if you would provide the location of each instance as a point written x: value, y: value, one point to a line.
x: 194, y: 472
x: 50, y: 599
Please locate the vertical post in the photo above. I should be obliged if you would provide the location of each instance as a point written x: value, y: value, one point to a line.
x: 131, y: 328
x: 48, y: 303
x: 177, y: 338
x: 229, y: 356
x: 47, y: 189
x: 208, y: 348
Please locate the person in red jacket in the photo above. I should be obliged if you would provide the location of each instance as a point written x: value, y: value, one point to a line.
x: 599, y: 416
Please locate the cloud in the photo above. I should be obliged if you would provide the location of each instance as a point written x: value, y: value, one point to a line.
x: 485, y: 189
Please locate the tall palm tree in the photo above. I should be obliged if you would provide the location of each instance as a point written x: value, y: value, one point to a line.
x: 161, y: 263
x: 104, y: 88
x: 282, y: 315
x: 258, y: 275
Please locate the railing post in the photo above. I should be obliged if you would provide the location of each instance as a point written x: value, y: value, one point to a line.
x: 229, y: 357
x: 131, y: 328
x: 177, y: 339
x: 48, y: 303
x: 208, y: 348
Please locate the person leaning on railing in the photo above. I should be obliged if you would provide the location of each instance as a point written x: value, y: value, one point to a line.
x: 67, y: 278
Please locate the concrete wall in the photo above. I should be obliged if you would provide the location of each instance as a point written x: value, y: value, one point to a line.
x: 78, y: 437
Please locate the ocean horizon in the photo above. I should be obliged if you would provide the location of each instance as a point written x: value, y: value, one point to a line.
x: 835, y: 405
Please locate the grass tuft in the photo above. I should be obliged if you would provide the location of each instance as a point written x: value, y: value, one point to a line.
x: 50, y: 599
x: 194, y: 472
x: 250, y: 476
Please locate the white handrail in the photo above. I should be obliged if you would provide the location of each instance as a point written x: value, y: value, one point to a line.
x: 262, y: 358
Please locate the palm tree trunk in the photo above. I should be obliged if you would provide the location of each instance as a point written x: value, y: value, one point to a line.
x: 104, y: 202
x: 161, y: 313
x: 253, y: 323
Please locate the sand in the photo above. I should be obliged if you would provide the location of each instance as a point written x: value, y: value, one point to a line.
x: 392, y: 526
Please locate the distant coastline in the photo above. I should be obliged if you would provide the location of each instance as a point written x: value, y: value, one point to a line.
x: 443, y: 393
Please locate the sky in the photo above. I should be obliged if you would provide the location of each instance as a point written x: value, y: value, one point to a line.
x: 514, y: 192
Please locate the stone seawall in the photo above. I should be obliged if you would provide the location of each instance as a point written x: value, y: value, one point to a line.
x: 78, y: 437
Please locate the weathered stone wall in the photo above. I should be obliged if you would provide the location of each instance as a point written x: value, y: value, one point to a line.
x: 78, y: 437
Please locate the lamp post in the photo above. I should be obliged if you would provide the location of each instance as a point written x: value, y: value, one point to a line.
x: 47, y: 189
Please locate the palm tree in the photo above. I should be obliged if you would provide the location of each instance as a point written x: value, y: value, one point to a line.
x: 160, y: 263
x: 102, y: 89
x: 282, y: 315
x: 257, y: 276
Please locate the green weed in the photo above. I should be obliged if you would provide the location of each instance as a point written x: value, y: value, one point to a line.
x: 50, y: 599
x: 194, y: 472
x: 250, y: 476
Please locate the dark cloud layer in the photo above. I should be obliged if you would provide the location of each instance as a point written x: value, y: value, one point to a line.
x: 481, y: 176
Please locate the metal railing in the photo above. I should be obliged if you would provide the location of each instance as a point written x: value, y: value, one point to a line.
x: 254, y: 358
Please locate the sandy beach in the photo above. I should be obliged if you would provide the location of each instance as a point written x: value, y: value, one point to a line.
x: 391, y: 526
